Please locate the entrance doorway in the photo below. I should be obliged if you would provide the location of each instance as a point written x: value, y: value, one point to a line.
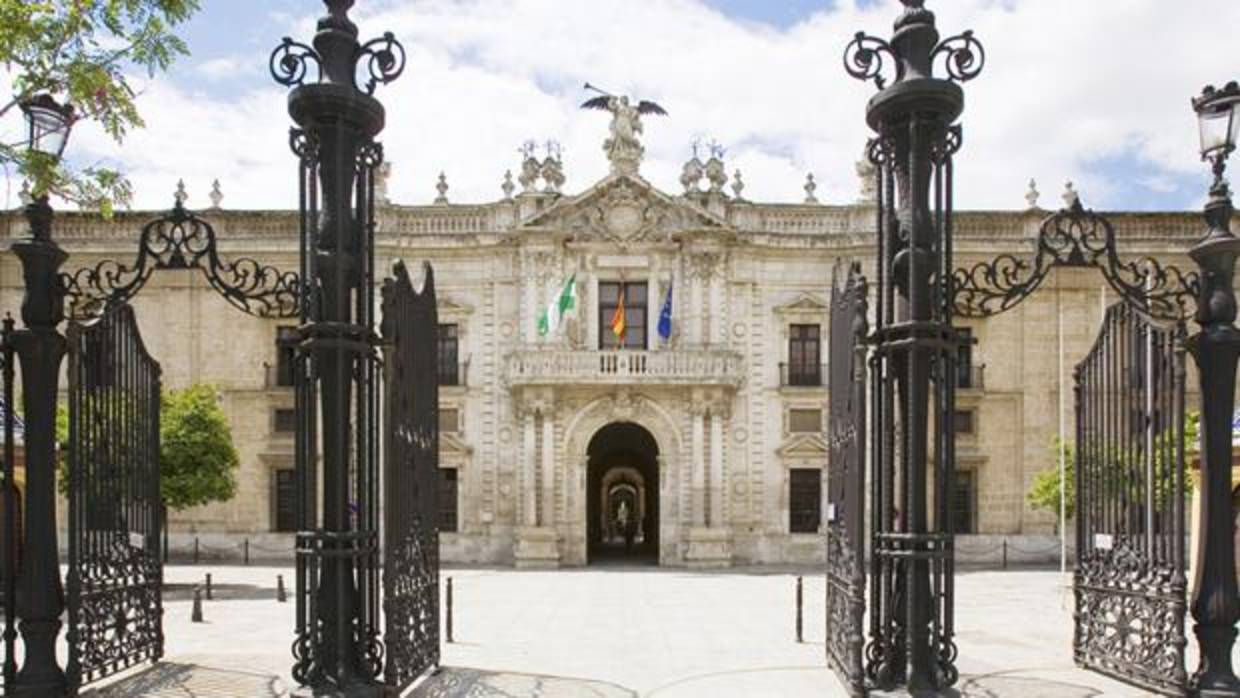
x: 622, y: 495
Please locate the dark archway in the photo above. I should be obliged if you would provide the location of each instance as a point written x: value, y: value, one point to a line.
x: 622, y: 495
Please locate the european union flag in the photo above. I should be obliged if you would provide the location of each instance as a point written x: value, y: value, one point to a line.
x: 665, y: 316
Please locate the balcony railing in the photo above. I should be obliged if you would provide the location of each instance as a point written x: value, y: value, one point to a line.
x: 278, y: 376
x: 971, y: 377
x: 802, y: 375
x: 453, y: 373
x: 550, y: 366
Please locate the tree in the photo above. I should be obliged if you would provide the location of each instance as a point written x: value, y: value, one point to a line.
x: 82, y: 51
x: 197, y: 459
x: 1044, y: 492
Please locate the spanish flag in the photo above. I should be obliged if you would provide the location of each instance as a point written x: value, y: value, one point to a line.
x: 617, y: 320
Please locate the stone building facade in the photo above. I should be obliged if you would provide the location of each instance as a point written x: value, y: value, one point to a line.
x: 711, y: 438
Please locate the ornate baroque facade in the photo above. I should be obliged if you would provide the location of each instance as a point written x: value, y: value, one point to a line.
x: 723, y: 454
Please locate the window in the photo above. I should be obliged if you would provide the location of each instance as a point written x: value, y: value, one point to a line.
x: 609, y: 294
x: 804, y: 500
x: 285, y: 504
x: 963, y: 494
x: 447, y: 499
x: 449, y: 420
x: 963, y: 421
x: 285, y: 421
x: 804, y: 421
x: 804, y: 355
x: 449, y: 367
x: 286, y: 355
x: 964, y: 360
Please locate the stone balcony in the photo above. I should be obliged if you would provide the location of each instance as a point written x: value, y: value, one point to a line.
x: 539, y: 365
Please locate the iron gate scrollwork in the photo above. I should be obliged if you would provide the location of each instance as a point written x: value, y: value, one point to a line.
x: 845, y: 588
x: 1129, y: 581
x: 411, y: 478
x: 115, y: 571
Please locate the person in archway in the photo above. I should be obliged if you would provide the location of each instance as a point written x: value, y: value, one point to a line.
x: 630, y: 531
x: 622, y: 521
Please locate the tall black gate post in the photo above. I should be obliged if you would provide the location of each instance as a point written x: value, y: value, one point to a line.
x: 1216, y: 349
x: 914, y: 344
x: 40, y: 348
x: 337, y: 650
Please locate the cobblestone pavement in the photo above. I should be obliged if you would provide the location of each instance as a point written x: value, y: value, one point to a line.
x: 623, y: 632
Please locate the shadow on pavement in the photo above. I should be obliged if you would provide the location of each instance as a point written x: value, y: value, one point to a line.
x: 457, y: 682
x: 170, y: 680
x: 1016, y: 686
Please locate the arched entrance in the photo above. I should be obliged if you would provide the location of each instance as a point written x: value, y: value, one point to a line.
x: 622, y: 495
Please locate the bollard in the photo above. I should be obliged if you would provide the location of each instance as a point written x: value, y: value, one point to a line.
x: 247, y: 552
x: 195, y: 550
x: 799, y: 598
x: 281, y: 595
x: 196, y: 615
x: 1005, y: 553
x: 209, y: 596
x: 449, y: 619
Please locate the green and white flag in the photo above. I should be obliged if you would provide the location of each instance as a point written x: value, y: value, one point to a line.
x: 562, y: 307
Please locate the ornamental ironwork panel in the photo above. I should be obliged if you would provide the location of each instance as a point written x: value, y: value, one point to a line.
x: 411, y: 478
x: 115, y: 572
x: 1074, y: 237
x: 845, y: 601
x: 1129, y: 581
x: 182, y: 240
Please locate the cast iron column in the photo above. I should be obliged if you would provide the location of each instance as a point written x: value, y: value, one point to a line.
x: 40, y: 348
x: 1216, y: 348
x: 914, y: 118
x: 340, y: 119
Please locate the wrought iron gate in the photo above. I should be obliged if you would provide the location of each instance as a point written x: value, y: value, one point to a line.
x: 115, y: 572
x: 411, y: 479
x: 1129, y: 581
x: 845, y: 603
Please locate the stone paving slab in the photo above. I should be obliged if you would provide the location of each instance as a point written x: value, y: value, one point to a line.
x: 640, y: 632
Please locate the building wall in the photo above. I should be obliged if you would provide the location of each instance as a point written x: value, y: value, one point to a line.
x: 742, y: 272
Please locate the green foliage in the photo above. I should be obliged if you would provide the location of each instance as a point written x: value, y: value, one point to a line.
x: 81, y: 51
x: 1044, y: 492
x: 198, y: 462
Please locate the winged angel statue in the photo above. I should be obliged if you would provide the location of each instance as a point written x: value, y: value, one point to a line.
x: 623, y: 148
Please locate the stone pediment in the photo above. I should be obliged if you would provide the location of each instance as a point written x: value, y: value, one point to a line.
x: 449, y: 308
x: 803, y: 446
x: 804, y: 304
x: 624, y: 209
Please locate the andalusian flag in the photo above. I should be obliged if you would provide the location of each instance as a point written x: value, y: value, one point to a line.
x: 617, y: 320
x: 562, y: 307
x: 665, y: 316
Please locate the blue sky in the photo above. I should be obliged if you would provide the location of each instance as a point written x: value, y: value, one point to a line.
x: 1069, y: 93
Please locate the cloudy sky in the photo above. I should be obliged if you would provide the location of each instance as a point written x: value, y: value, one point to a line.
x: 1093, y: 91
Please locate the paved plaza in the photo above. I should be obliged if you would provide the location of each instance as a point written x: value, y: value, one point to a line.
x: 621, y: 632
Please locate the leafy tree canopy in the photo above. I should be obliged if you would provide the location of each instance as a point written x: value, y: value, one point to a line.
x: 197, y: 460
x: 83, y: 52
x: 198, y: 463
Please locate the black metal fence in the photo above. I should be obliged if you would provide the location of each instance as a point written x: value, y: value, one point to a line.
x: 1129, y: 581
x: 846, y: 569
x: 802, y: 375
x: 411, y: 479
x: 115, y: 509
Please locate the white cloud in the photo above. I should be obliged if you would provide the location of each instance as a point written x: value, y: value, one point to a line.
x: 1066, y: 83
x: 219, y: 68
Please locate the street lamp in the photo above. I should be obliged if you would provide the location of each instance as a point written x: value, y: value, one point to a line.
x: 1216, y: 349
x: 1219, y: 124
x: 49, y: 124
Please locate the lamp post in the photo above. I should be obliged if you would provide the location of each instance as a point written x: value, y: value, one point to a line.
x: 1216, y: 349
x: 40, y: 348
